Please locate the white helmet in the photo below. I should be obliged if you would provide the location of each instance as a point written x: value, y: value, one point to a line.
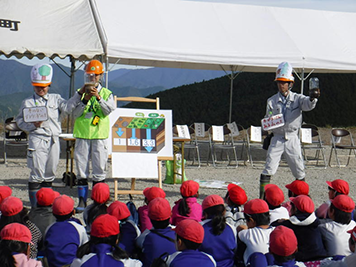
x: 41, y: 75
x: 284, y: 72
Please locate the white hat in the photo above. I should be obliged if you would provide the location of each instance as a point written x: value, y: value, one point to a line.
x: 41, y: 75
x: 284, y: 72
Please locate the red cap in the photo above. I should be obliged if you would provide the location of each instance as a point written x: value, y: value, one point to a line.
x: 298, y: 187
x: 153, y: 192
x: 63, y: 205
x: 274, y: 195
x: 237, y: 194
x: 190, y: 230
x: 211, y: 201
x: 340, y: 186
x: 16, y: 232
x: 303, y: 203
x: 11, y: 206
x: 159, y: 209
x: 255, y: 206
x: 104, y: 226
x: 282, y: 241
x: 5, y: 192
x: 45, y: 196
x: 100, y: 193
x: 119, y: 210
x: 189, y: 188
x: 353, y: 233
x: 344, y: 203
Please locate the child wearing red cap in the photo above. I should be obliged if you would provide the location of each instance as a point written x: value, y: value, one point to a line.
x: 187, y: 206
x: 190, y: 236
x: 14, y: 246
x: 100, y: 194
x: 160, y: 239
x: 235, y: 198
x: 129, y: 231
x: 12, y: 210
x: 102, y: 250
x: 63, y: 237
x: 5, y: 192
x: 296, y: 188
x: 150, y: 193
x: 255, y: 236
x: 274, y: 197
x: 219, y: 236
x: 334, y: 232
x: 305, y: 224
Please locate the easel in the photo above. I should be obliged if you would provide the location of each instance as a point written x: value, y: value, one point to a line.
x: 132, y: 191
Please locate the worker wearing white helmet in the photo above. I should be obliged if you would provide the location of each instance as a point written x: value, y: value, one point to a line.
x: 43, y: 148
x: 286, y: 138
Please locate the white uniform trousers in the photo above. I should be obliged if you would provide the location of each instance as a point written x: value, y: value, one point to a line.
x: 42, y: 158
x: 95, y: 150
x: 292, y: 151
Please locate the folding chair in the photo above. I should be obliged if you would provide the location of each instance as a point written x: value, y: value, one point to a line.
x: 341, y: 139
x: 255, y: 136
x: 188, y: 132
x: 311, y: 140
x: 14, y: 136
x: 201, y: 139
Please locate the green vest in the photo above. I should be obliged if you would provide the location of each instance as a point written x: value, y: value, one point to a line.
x: 83, y: 127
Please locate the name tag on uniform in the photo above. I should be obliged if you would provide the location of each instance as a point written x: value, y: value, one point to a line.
x: 34, y: 114
x: 272, y: 122
x: 89, y: 115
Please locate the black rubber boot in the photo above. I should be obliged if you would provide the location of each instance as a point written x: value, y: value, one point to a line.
x: 82, y: 195
x: 32, y: 190
x: 264, y: 179
x: 96, y: 182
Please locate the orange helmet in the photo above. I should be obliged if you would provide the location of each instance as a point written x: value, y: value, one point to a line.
x: 94, y: 66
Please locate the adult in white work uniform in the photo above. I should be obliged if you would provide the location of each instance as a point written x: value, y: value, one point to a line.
x: 43, y: 148
x: 286, y: 138
x: 91, y: 130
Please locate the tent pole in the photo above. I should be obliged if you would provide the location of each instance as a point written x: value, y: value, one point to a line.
x: 302, y: 81
x: 71, y: 90
x: 231, y: 92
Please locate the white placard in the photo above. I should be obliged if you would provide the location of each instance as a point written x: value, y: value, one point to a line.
x: 183, y: 131
x: 307, y: 135
x: 218, y: 133
x: 233, y: 129
x: 272, y: 122
x: 35, y: 114
x: 199, y: 129
x: 134, y: 165
x: 256, y: 133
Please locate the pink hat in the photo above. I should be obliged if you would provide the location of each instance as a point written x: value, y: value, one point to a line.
x: 153, y: 192
x: 119, y: 210
x: 11, y: 206
x: 159, y: 209
x: 274, y: 195
x: 191, y: 230
x: 255, y: 206
x: 45, y: 196
x: 353, y: 233
x: 282, y: 241
x: 211, y: 201
x: 339, y: 186
x: 100, y: 193
x: 344, y: 203
x: 5, y: 192
x: 63, y: 205
x: 189, y: 188
x: 298, y: 187
x: 104, y: 226
x: 16, y: 232
x: 303, y: 203
x: 237, y: 194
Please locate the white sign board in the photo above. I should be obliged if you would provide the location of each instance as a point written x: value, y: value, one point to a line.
x: 233, y: 129
x: 307, y: 135
x: 256, y: 134
x: 218, y: 133
x: 183, y: 131
x: 134, y: 165
x: 35, y: 114
x: 199, y: 129
x: 272, y: 122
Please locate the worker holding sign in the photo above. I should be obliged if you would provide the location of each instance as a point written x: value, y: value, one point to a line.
x: 284, y: 119
x: 40, y: 116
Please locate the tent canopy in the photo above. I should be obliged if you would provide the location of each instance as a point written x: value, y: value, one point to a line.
x: 41, y: 28
x: 212, y: 35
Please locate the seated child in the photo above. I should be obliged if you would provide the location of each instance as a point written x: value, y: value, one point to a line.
x: 160, y: 239
x: 63, y: 237
x: 102, y: 249
x: 5, y: 192
x: 14, y: 246
x: 150, y: 193
x: 274, y: 197
x: 296, y: 188
x: 187, y: 206
x: 190, y: 236
x: 128, y: 229
x: 235, y: 199
x: 219, y: 236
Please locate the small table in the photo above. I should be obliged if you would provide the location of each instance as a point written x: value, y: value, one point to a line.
x: 181, y: 141
x: 69, y: 155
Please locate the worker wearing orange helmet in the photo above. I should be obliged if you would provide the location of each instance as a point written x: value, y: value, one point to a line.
x: 91, y: 130
x: 286, y: 138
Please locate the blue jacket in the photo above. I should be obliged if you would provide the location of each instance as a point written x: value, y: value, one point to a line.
x: 190, y: 257
x: 128, y: 234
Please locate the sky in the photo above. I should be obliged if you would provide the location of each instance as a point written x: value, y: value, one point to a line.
x: 330, y: 5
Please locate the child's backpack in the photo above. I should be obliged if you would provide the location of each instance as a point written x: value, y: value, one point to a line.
x: 133, y: 210
x: 161, y: 261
